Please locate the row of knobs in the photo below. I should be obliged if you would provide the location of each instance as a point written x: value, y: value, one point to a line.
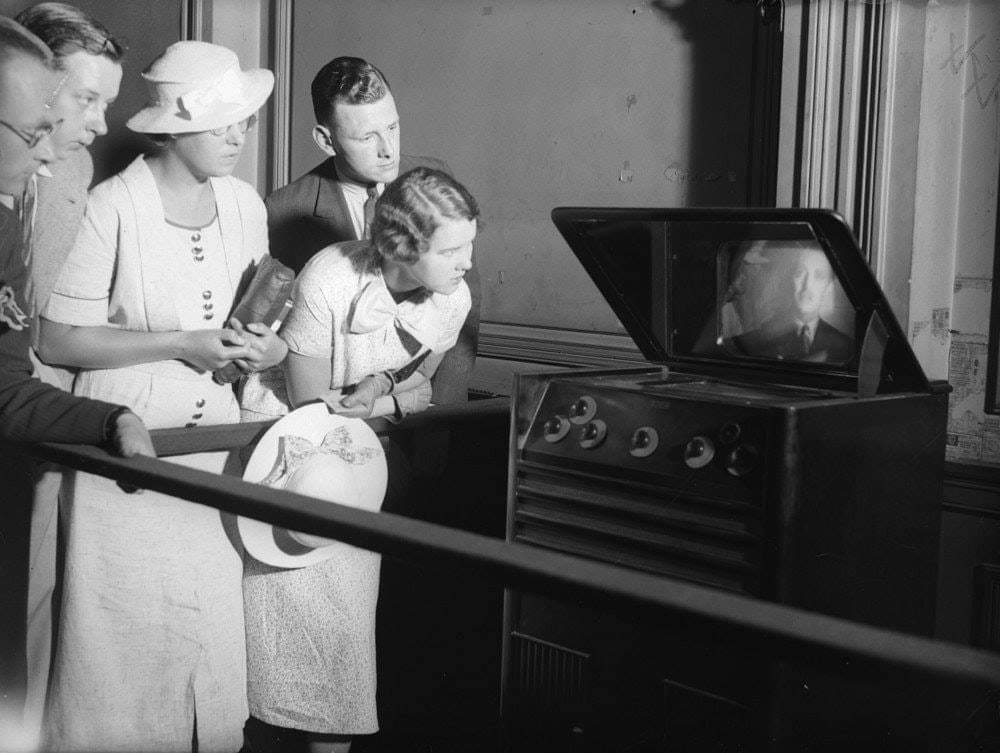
x: 699, y: 451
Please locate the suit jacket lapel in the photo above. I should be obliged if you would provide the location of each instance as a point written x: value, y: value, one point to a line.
x: 331, y: 206
x: 10, y: 245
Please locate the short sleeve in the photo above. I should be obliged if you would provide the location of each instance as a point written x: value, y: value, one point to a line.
x: 456, y: 308
x: 318, y: 305
x: 83, y: 287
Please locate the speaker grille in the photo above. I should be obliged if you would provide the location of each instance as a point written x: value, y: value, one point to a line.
x: 550, y: 675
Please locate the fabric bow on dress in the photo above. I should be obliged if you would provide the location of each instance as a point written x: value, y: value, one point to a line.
x: 374, y: 309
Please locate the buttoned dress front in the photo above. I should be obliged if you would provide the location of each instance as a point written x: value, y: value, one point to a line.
x: 311, y: 631
x: 151, y: 639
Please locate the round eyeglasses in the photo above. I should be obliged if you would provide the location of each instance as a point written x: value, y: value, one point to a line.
x: 243, y: 126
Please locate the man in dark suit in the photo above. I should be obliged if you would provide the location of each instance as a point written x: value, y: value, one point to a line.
x: 90, y: 58
x: 31, y: 411
x: 798, y: 332
x: 357, y: 127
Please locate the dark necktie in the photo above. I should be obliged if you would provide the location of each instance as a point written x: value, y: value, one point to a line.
x: 370, y: 210
x: 804, y: 342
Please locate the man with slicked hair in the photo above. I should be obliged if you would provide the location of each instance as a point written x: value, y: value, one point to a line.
x: 90, y: 58
x: 31, y: 411
x: 357, y: 127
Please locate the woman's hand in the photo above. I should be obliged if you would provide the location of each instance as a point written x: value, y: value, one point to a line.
x: 334, y: 400
x: 265, y: 348
x: 211, y: 349
x: 363, y: 400
x: 362, y: 397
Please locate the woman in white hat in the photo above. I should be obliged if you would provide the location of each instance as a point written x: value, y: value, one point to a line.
x: 372, y: 320
x: 150, y: 654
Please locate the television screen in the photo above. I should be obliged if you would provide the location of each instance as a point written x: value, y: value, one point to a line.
x: 778, y: 299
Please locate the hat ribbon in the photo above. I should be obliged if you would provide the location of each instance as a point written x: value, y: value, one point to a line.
x: 375, y: 309
x: 227, y: 88
x: 295, y: 450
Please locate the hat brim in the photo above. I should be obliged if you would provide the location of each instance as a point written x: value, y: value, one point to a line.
x: 273, y: 545
x: 169, y: 117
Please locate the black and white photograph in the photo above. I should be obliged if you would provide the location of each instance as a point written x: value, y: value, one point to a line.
x: 499, y: 376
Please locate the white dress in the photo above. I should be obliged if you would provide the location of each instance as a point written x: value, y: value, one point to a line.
x: 151, y: 639
x: 311, y: 631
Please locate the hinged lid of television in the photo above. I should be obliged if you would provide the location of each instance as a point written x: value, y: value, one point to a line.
x: 777, y: 295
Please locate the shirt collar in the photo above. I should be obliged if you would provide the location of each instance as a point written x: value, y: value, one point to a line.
x: 810, y: 327
x: 358, y: 190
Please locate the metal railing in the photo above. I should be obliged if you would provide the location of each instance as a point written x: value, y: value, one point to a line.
x: 780, y: 631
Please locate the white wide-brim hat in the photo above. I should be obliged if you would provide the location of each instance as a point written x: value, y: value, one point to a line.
x: 321, y: 454
x: 197, y: 86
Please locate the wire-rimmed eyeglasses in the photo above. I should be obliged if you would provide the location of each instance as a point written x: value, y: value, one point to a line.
x: 31, y: 138
x: 243, y: 126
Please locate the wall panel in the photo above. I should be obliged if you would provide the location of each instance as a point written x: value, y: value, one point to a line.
x: 536, y: 104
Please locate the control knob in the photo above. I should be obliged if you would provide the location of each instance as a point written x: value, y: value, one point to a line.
x: 593, y: 434
x: 698, y: 452
x: 583, y: 410
x: 555, y: 429
x: 730, y: 432
x: 644, y: 442
x: 742, y: 459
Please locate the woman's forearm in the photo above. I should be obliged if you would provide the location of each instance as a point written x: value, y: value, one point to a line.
x: 306, y: 378
x: 106, y: 347
x: 413, y: 400
x: 384, y: 406
x: 410, y: 383
x: 110, y: 348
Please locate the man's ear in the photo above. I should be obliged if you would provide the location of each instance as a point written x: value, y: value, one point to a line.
x: 324, y: 140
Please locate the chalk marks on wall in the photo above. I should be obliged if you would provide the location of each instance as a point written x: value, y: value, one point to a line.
x: 626, y: 174
x: 981, y: 62
x: 677, y: 173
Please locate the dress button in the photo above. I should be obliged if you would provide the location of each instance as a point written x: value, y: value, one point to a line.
x: 190, y: 425
x: 207, y: 306
x: 195, y: 237
x: 206, y: 294
x: 208, y: 316
x: 199, y: 403
x: 197, y: 415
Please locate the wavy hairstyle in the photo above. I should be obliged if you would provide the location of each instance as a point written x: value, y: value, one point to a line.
x: 353, y: 81
x: 411, y: 209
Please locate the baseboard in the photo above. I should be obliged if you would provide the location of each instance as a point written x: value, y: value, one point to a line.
x: 506, y: 349
x: 557, y: 347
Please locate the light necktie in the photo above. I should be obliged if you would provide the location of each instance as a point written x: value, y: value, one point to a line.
x: 26, y: 214
x: 369, y: 210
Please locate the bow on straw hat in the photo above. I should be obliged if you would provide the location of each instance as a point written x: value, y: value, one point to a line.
x: 313, y: 452
x: 198, y: 86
